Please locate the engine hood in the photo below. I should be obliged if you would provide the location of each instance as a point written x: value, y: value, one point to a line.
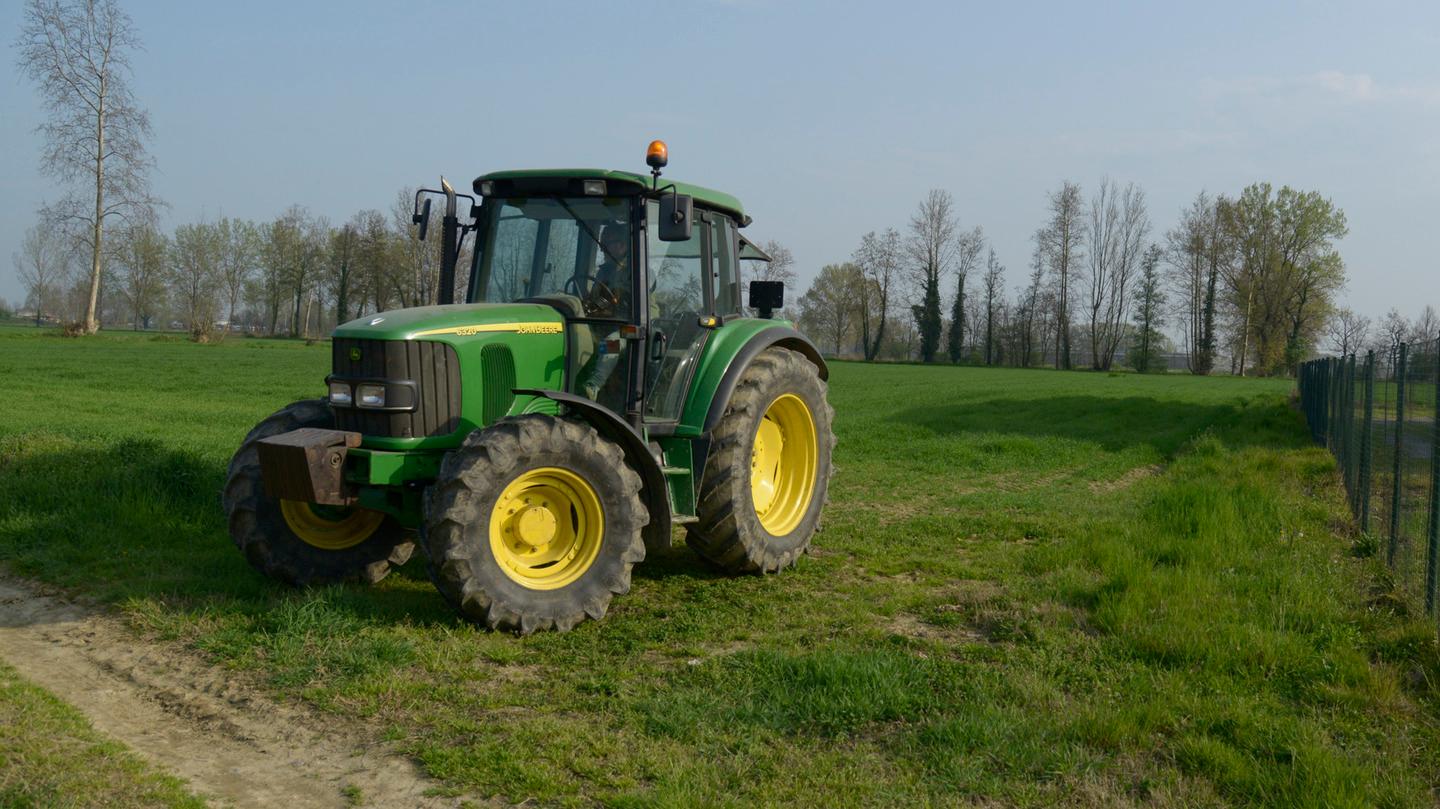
x: 461, y: 319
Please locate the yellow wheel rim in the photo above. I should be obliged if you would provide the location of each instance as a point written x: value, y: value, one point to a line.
x: 546, y: 528
x: 330, y: 528
x: 782, y: 465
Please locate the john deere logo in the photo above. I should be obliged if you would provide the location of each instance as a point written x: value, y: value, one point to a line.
x: 354, y: 355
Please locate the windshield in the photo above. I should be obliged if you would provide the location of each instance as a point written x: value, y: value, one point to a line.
x: 548, y: 246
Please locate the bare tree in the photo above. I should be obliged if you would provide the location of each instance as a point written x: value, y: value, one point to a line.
x: 344, y: 244
x: 931, y: 247
x: 1060, y: 240
x: 43, y: 265
x: 879, y: 258
x: 780, y: 267
x: 994, y: 297
x: 415, y: 277
x: 1394, y: 330
x: 968, y: 246
x: 1426, y: 326
x: 1199, y: 252
x: 831, y: 306
x: 78, y: 51
x: 1030, y: 307
x: 373, y: 264
x: 239, y: 257
x: 1118, y: 226
x: 1348, y: 332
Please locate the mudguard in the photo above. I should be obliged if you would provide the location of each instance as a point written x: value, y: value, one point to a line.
x: 782, y: 336
x: 614, y: 428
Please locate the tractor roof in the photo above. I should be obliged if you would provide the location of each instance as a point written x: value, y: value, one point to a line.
x: 708, y: 197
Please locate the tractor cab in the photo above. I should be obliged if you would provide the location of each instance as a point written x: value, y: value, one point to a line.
x: 599, y: 384
x: 638, y: 302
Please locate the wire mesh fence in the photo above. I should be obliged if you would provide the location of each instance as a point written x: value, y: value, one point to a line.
x: 1380, y: 415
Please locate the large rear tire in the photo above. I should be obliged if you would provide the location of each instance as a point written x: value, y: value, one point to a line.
x: 768, y: 472
x: 303, y: 543
x: 534, y: 524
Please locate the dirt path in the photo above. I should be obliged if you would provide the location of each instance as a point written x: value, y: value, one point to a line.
x: 236, y: 747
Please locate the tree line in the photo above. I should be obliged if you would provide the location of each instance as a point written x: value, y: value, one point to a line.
x: 1352, y: 333
x: 1249, y: 281
x: 295, y: 275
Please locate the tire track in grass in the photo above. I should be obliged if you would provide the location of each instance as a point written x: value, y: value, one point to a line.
x: 233, y: 745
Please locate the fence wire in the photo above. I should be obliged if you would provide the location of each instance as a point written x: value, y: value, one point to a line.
x: 1380, y: 416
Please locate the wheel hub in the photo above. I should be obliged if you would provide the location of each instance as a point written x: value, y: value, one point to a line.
x: 536, y: 526
x: 546, y: 528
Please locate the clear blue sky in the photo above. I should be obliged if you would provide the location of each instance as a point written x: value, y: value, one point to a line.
x: 826, y: 119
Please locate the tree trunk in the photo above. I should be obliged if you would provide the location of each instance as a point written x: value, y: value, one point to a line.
x: 295, y: 315
x: 1245, y: 330
x: 92, y: 322
x: 342, y: 293
x: 880, y: 330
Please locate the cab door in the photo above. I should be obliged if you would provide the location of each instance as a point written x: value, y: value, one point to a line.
x: 682, y: 291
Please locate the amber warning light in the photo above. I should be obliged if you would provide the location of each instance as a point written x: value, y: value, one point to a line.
x: 657, y: 155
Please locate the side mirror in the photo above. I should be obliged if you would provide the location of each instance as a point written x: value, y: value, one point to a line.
x: 677, y: 214
x: 422, y: 218
x: 767, y: 296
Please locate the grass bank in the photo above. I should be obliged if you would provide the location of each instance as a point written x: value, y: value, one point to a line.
x: 1033, y: 587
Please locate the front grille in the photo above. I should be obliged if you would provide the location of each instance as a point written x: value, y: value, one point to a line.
x: 433, y: 367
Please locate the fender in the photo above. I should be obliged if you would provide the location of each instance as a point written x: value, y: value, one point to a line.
x: 782, y: 336
x: 613, y: 428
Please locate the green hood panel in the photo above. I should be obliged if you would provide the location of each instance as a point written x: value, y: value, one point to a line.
x: 459, y: 319
x: 531, y: 342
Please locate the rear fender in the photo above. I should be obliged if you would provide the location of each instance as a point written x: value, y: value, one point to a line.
x: 781, y: 336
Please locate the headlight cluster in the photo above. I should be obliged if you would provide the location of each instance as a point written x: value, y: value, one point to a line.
x: 371, y: 396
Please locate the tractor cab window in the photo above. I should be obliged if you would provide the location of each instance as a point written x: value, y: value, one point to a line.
x: 560, y: 248
x: 724, y: 267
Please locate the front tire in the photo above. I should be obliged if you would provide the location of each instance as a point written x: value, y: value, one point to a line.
x: 534, y: 524
x: 304, y: 543
x: 768, y: 472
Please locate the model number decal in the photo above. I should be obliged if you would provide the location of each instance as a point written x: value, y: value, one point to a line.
x: 481, y: 328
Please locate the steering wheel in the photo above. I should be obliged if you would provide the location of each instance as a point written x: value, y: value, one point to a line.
x: 600, y: 300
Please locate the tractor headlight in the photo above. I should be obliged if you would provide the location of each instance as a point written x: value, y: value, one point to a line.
x: 370, y: 395
x: 340, y: 395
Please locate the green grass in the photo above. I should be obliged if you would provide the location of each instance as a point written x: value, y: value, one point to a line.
x: 51, y: 758
x: 1032, y: 588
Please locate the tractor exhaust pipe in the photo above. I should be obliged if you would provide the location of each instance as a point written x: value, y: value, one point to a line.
x: 449, y: 245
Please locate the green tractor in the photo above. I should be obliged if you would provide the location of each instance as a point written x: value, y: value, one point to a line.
x: 600, y: 384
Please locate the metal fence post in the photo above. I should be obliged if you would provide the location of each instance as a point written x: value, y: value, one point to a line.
x: 1332, y: 429
x: 1367, y: 431
x: 1397, y: 489
x: 1433, y: 554
x: 1347, y: 430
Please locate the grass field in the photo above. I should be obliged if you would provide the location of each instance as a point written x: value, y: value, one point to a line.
x: 1032, y: 588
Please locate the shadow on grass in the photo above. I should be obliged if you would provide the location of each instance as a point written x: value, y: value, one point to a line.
x: 139, y: 520
x: 1110, y: 422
